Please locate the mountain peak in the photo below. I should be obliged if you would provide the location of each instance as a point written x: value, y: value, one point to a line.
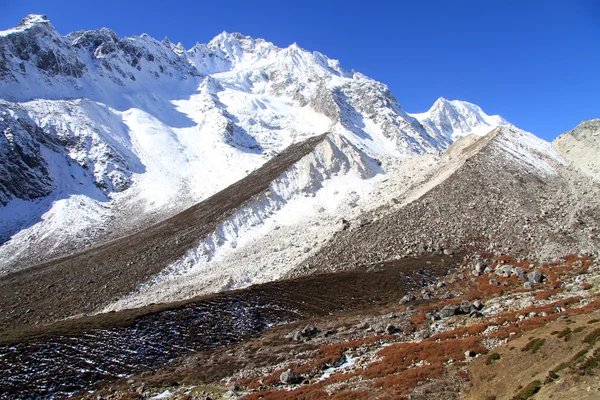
x: 453, y: 119
x: 33, y: 19
x: 29, y: 22
x: 225, y: 37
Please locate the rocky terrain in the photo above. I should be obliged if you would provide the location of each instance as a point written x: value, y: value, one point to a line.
x: 490, y: 201
x: 490, y: 327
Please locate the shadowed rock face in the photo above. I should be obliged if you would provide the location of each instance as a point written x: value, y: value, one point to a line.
x: 23, y: 171
x: 31, y: 46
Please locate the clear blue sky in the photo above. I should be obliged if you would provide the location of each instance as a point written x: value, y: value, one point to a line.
x: 534, y: 62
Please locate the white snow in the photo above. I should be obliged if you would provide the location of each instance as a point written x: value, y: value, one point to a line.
x: 455, y: 119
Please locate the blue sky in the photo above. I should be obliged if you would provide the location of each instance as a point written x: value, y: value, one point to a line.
x: 534, y: 62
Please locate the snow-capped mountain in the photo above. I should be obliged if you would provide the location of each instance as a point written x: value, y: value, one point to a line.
x: 454, y: 119
x: 104, y: 135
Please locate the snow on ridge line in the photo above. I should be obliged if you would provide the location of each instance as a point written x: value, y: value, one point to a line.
x: 334, y: 156
x: 528, y: 149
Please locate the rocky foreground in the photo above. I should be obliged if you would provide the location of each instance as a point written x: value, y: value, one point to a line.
x: 492, y: 327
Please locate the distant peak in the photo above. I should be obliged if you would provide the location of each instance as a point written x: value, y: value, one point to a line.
x: 442, y: 101
x: 33, y: 19
x: 227, y: 36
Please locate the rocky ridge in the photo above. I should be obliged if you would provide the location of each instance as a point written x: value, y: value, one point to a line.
x: 490, y: 201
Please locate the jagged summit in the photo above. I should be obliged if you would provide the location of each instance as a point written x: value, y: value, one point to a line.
x: 453, y: 119
x: 33, y: 19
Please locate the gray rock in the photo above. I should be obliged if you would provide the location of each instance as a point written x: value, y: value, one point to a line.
x: 494, y: 282
x: 529, y: 285
x: 390, y: 329
x: 478, y: 305
x: 470, y: 353
x: 535, y: 276
x: 309, y: 330
x: 520, y: 273
x: 289, y: 377
x: 449, y: 311
x: 449, y: 252
x: 475, y: 314
x: 465, y: 307
x: 480, y: 267
x: 504, y: 271
x: 422, y: 335
x: 407, y: 298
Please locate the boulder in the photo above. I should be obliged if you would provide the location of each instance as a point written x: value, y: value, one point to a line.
x: 390, y: 329
x: 529, y: 285
x: 479, y: 267
x: 449, y: 311
x: 465, y: 307
x: 289, y: 377
x: 535, y: 276
x: 504, y: 271
x: 422, y: 335
x: 478, y: 305
x: 309, y: 330
x: 520, y: 273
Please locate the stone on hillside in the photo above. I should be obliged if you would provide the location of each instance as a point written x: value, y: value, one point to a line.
x: 535, y: 276
x: 407, y: 298
x: 390, y: 329
x: 478, y: 305
x: 422, y: 335
x: 465, y: 307
x: 289, y: 377
x: 529, y: 285
x: 505, y: 271
x: 449, y: 311
x: 520, y: 273
x: 308, y: 331
x: 479, y: 267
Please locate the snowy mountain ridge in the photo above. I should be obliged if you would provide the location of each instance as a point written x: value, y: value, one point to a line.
x: 113, y: 134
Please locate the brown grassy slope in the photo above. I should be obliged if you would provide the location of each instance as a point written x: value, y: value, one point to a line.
x: 554, y: 355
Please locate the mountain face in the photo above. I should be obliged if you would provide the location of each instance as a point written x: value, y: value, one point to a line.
x: 124, y: 132
x: 165, y: 173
